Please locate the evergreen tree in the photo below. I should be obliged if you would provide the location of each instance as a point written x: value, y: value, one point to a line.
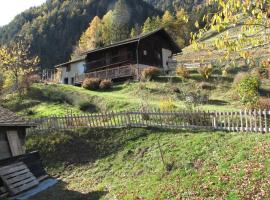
x: 120, y: 21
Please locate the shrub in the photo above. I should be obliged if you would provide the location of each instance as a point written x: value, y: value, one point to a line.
x: 247, y: 89
x: 264, y: 103
x: 167, y: 105
x: 105, y: 84
x: 149, y: 73
x: 205, y: 71
x: 182, y: 71
x: 91, y: 83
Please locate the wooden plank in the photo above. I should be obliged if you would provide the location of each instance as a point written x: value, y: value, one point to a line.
x: 14, y: 143
x: 17, y: 178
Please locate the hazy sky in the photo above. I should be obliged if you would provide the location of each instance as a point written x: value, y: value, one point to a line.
x: 10, y: 8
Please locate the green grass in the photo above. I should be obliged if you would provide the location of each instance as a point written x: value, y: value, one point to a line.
x: 127, y: 164
x: 46, y: 100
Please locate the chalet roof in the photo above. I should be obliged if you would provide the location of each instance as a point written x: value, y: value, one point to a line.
x: 137, y: 39
x: 8, y: 118
x: 81, y: 58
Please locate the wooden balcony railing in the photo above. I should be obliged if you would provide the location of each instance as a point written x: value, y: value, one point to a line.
x: 112, y: 73
x: 110, y: 61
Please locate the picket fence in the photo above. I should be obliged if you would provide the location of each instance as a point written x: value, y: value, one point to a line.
x: 241, y: 121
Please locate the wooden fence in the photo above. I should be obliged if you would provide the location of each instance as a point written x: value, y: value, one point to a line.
x: 242, y: 121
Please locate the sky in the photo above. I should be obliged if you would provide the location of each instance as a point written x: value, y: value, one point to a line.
x: 10, y: 8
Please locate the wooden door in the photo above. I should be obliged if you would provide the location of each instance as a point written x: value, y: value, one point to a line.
x: 14, y: 143
x: 4, y: 146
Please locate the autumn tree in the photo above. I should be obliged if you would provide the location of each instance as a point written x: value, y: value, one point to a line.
x: 91, y: 38
x: 251, y: 17
x: 16, y: 65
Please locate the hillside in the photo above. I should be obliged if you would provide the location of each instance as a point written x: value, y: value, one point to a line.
x: 173, y: 5
x: 211, y: 54
x: 54, y: 28
x: 127, y: 164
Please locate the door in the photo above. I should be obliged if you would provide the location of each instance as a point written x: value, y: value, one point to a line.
x: 4, y: 146
x: 14, y: 143
x: 166, y: 54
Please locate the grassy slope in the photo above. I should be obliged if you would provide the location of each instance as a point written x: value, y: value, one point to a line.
x: 46, y: 100
x: 126, y: 164
x: 211, y: 54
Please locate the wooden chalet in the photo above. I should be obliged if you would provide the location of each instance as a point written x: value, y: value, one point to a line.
x: 18, y: 171
x: 123, y: 59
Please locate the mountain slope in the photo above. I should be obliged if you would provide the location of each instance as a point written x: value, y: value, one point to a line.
x: 54, y: 28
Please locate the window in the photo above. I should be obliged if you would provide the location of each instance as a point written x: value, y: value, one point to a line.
x: 66, y: 81
x: 144, y: 52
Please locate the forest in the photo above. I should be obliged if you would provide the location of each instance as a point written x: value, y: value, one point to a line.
x: 54, y: 29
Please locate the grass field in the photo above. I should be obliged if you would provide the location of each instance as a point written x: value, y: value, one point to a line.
x: 46, y: 100
x: 127, y: 164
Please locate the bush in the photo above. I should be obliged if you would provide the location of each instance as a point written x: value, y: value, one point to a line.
x: 91, y: 83
x: 167, y: 105
x: 206, y: 71
x: 182, y: 71
x: 247, y: 90
x: 105, y: 84
x: 264, y: 103
x: 149, y: 73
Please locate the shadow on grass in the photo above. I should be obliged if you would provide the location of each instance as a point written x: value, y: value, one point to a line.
x: 264, y: 92
x: 81, y: 146
x: 217, y: 102
x: 60, y: 191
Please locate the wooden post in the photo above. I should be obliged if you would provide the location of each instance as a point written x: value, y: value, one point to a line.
x: 260, y: 118
x: 265, y: 121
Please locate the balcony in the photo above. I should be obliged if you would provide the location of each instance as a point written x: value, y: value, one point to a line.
x: 113, y: 61
x: 111, y: 73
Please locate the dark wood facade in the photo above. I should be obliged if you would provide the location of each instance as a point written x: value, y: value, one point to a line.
x: 144, y: 50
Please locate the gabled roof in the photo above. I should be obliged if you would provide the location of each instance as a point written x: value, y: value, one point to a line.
x: 10, y: 119
x: 82, y: 58
x: 137, y: 39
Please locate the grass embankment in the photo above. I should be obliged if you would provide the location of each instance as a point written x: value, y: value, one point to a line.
x: 127, y: 164
x: 45, y: 100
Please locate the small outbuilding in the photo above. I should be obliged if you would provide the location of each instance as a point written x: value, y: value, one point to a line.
x: 12, y: 134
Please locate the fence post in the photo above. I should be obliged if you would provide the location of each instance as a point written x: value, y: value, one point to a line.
x: 215, y: 120
x: 128, y: 122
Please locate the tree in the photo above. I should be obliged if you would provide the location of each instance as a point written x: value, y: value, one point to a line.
x: 147, y: 26
x: 135, y: 31
x: 252, y: 17
x: 120, y: 21
x: 106, y: 27
x: 16, y: 65
x: 91, y: 38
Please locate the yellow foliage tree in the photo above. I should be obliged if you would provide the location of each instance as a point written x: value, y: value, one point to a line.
x: 252, y: 17
x: 16, y: 65
x: 90, y: 39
